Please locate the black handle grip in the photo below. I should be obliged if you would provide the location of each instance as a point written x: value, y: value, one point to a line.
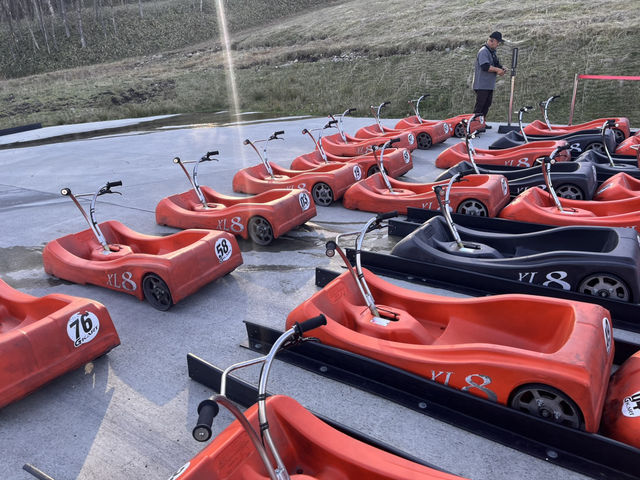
x: 386, y: 216
x: 305, y: 131
x: 66, y: 191
x: 564, y: 147
x: 211, y: 154
x: 207, y: 410
x: 330, y: 248
x: 332, y: 122
x: 351, y: 110
x: 555, y: 96
x: 176, y: 160
x: 426, y: 95
x: 246, y: 141
x: 117, y: 183
x: 310, y: 324
x: 394, y: 140
x: 384, y: 104
x: 279, y: 132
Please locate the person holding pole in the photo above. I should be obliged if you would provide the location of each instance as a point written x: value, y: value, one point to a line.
x: 487, y: 67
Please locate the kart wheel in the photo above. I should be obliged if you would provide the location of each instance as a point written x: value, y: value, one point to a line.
x: 619, y: 135
x: 605, y: 285
x: 373, y: 169
x: 597, y: 146
x: 549, y: 403
x: 424, y: 141
x: 260, y: 231
x: 156, y: 292
x: 569, y: 190
x: 322, y: 194
x: 460, y: 130
x: 471, y: 206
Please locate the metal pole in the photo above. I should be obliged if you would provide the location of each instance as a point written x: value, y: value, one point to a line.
x: 514, y: 64
x: 573, y: 98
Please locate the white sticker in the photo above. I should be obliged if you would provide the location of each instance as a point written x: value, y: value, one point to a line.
x: 180, y: 471
x: 357, y: 172
x: 406, y: 155
x: 505, y: 188
x: 305, y: 201
x: 223, y: 249
x: 83, y: 327
x: 606, y: 187
x: 606, y: 328
x: 446, y: 127
x: 631, y: 405
x: 411, y: 138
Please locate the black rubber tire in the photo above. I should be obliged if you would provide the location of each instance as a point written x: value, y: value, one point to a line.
x: 424, y: 141
x: 471, y: 206
x: 373, y: 169
x: 156, y: 292
x: 460, y: 131
x: 260, y: 231
x: 571, y: 191
x: 596, y: 146
x: 549, y: 403
x: 322, y: 194
x: 605, y: 285
x: 619, y: 135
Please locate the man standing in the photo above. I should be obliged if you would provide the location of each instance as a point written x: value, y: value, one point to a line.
x: 486, y: 68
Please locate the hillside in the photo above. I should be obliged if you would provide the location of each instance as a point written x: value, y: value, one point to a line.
x: 324, y: 57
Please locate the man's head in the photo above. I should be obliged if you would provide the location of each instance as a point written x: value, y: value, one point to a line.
x: 495, y: 39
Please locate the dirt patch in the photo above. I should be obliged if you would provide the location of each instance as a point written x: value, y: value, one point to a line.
x: 140, y: 94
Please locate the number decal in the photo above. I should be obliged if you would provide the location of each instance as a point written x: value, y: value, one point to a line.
x: 411, y: 138
x: 236, y: 225
x: 606, y: 329
x: 357, y: 172
x: 482, y: 387
x: 631, y: 405
x: 123, y: 282
x: 305, y: 201
x: 82, y: 327
x: 223, y: 249
x: 557, y: 278
x: 575, y: 147
x: 445, y: 127
x: 406, y: 156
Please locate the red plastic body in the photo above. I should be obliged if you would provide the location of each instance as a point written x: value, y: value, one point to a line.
x: 337, y: 176
x: 186, y: 260
x: 536, y: 205
x: 488, y: 346
x: 372, y: 195
x: 624, y: 147
x: 538, y: 127
x: 521, y: 156
x: 309, y: 448
x: 438, y: 131
x: 356, y: 146
x: 621, y: 415
x: 454, y: 123
x: 42, y: 338
x: 619, y: 187
x: 283, y: 209
x: 397, y: 161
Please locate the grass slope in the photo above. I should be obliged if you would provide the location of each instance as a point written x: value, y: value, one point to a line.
x: 324, y: 59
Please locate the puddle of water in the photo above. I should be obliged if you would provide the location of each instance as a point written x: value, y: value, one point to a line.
x: 21, y: 267
x: 21, y: 197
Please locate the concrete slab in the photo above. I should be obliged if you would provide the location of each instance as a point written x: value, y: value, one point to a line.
x: 130, y: 414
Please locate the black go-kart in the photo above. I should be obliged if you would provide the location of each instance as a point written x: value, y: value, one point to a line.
x: 575, y: 180
x: 598, y: 261
x: 580, y: 141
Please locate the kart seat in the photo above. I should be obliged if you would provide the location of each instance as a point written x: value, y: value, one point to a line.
x: 393, y: 325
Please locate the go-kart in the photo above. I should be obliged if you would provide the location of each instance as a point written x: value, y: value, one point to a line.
x: 162, y: 270
x: 608, y: 165
x: 547, y: 357
x: 619, y: 187
x: 521, y: 156
x: 626, y: 146
x: 537, y: 127
x: 397, y: 162
x: 327, y: 183
x: 579, y: 142
x: 348, y: 146
x: 574, y: 180
x: 292, y: 443
x: 539, y: 206
x: 262, y: 218
x: 426, y: 134
x: 483, y: 195
x: 598, y: 261
x: 457, y: 124
x: 42, y: 338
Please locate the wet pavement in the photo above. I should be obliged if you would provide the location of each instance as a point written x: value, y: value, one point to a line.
x: 130, y: 413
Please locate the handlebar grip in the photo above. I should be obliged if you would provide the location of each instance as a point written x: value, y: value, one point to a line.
x: 555, y: 96
x: 246, y: 141
x: 207, y: 410
x: 387, y: 215
x: 351, y: 110
x: 176, y: 160
x: 310, y: 324
x: 394, y: 140
x: 66, y: 191
x: 215, y: 152
x: 279, y: 132
x: 117, y: 183
x: 305, y: 131
x: 563, y: 147
x: 384, y: 104
x: 332, y: 122
x: 330, y: 248
x: 611, y: 123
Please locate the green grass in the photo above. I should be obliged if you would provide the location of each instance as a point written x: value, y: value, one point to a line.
x: 318, y: 58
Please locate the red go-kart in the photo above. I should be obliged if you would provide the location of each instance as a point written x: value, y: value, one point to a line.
x: 538, y: 127
x: 327, y: 183
x: 626, y: 147
x: 42, y: 338
x: 397, y: 160
x: 483, y: 195
x: 426, y: 135
x: 457, y: 124
x: 293, y: 444
x: 262, y: 218
x: 163, y: 270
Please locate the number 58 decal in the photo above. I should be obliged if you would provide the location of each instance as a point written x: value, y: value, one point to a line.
x: 223, y: 249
